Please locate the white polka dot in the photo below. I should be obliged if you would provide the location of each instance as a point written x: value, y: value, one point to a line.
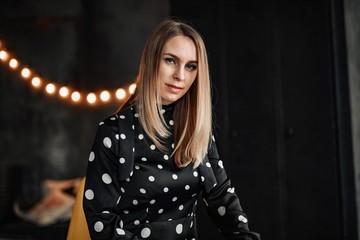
x: 126, y: 211
x: 166, y: 189
x: 136, y: 115
x: 195, y: 173
x: 160, y: 166
x: 173, y: 146
x: 174, y: 176
x: 202, y: 178
x: 107, y: 142
x: 166, y: 157
x: 117, y: 202
x: 120, y: 231
x: 231, y: 190
x: 89, y: 194
x: 213, y: 138
x: 242, y: 219
x: 135, y: 202
x: 141, y: 136
x: 222, y: 210
x: 121, y: 223
x: 137, y: 167
x: 98, y: 226
x: 133, y: 127
x: 122, y: 136
x: 181, y: 207
x: 152, y: 201
x: 113, y: 118
x: 151, y: 178
x: 152, y: 147
x: 122, y: 189
x: 122, y: 160
x: 143, y: 159
x: 174, y: 199
x: 145, y: 233
x: 117, y: 136
x: 101, y: 123
x: 106, y: 178
x: 171, y: 122
x: 179, y: 228
x: 122, y: 116
x: 191, y: 224
x: 187, y: 187
x: 220, y: 163
x: 136, y: 222
x: 143, y: 191
x: 133, y: 149
x: 91, y: 156
x: 161, y: 211
x: 162, y: 111
x: 105, y: 212
x: 208, y: 164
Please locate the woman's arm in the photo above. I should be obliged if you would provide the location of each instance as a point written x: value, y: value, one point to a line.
x: 222, y: 203
x: 102, y: 191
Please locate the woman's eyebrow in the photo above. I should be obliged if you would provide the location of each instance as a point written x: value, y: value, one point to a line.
x: 177, y: 58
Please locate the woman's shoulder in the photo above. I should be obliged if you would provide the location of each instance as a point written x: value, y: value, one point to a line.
x: 113, y: 121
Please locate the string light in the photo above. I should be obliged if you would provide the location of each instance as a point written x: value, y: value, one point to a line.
x: 65, y: 93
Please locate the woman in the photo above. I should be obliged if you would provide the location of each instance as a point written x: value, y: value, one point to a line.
x: 152, y: 159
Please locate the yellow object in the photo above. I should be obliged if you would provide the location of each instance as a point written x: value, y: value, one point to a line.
x: 78, y: 228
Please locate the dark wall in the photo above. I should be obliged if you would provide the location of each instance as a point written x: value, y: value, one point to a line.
x: 280, y: 87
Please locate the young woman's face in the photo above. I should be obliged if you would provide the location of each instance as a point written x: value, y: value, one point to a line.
x: 178, y: 68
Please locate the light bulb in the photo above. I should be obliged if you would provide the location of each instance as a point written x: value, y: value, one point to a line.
x: 25, y: 73
x: 50, y: 88
x: 120, y: 93
x: 132, y: 88
x: 105, y: 96
x: 13, y: 63
x: 4, y: 55
x: 36, y: 82
x: 91, y: 98
x: 64, y: 92
x: 75, y: 96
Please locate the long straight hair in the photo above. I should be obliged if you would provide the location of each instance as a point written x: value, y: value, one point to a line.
x: 192, y: 112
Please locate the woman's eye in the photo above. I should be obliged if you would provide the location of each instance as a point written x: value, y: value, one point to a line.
x: 169, y: 60
x: 191, y: 67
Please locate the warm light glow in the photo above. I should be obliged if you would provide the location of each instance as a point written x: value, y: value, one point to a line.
x: 64, y: 92
x: 50, y: 88
x: 13, y: 63
x: 120, y: 93
x: 25, y: 73
x: 105, y: 96
x: 3, y: 55
x: 91, y: 98
x: 132, y: 88
x: 75, y: 96
x: 36, y: 82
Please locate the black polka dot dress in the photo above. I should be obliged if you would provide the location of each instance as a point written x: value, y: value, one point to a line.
x: 135, y: 191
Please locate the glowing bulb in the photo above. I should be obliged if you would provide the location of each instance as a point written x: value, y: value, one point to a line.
x: 132, y: 88
x: 50, y: 88
x: 91, y: 98
x: 13, y: 63
x: 3, y: 55
x: 25, y: 73
x: 120, y: 93
x: 75, y: 96
x: 64, y: 92
x: 36, y: 82
x: 105, y: 96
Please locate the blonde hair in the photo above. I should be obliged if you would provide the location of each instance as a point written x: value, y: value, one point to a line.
x: 192, y: 113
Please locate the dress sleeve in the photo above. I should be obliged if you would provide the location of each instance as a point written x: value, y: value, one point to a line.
x: 102, y: 191
x: 222, y: 203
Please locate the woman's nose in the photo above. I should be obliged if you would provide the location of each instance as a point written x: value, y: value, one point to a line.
x: 180, y: 73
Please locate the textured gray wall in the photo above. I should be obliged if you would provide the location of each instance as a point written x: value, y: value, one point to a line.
x: 352, y: 21
x: 89, y: 45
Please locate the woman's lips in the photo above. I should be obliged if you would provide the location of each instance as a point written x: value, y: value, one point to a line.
x: 173, y: 88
